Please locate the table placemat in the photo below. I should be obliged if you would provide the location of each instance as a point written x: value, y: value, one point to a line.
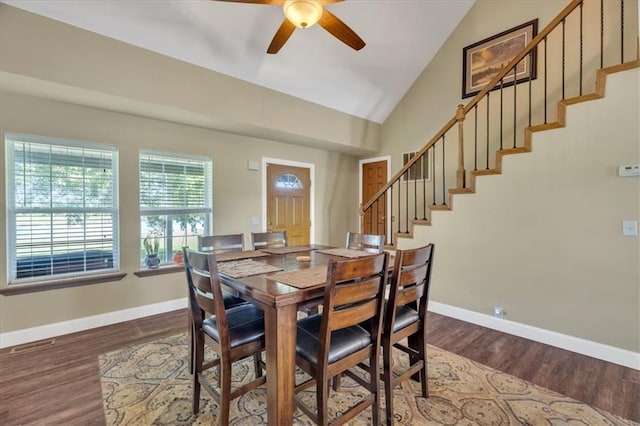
x: 304, y: 278
x: 245, y: 268
x: 345, y: 252
x: 237, y: 255
x: 287, y: 250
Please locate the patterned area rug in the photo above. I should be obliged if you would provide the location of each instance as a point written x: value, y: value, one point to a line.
x: 150, y: 384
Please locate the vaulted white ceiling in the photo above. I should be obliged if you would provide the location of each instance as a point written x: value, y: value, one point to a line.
x: 231, y: 38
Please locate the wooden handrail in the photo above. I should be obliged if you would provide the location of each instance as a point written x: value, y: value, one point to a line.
x: 476, y: 99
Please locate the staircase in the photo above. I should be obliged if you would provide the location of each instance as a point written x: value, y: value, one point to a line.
x: 537, y: 234
x: 584, y: 43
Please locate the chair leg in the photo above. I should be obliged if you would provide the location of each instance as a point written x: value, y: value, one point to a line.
x: 374, y: 374
x: 198, y: 359
x: 225, y: 390
x: 191, y: 344
x: 388, y: 381
x: 322, y: 398
x: 337, y: 379
x: 424, y: 380
x: 256, y: 364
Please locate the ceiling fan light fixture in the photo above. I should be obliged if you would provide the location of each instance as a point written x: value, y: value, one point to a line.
x: 302, y: 13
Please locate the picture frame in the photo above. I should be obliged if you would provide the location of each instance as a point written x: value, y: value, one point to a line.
x: 481, y: 61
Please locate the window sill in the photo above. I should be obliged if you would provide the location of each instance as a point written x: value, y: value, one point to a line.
x: 15, y: 289
x: 162, y: 270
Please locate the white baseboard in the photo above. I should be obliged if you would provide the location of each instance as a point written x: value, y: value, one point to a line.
x: 33, y: 334
x: 575, y: 344
x: 597, y: 350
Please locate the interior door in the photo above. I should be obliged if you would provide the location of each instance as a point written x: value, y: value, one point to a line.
x: 288, y: 200
x: 374, y: 177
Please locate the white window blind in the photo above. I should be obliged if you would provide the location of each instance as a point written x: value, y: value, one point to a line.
x: 62, y: 208
x: 175, y: 200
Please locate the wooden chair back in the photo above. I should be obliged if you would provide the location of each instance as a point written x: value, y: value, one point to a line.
x: 408, y: 300
x: 221, y: 243
x: 205, y: 290
x: 365, y: 242
x: 354, y: 294
x: 275, y: 239
x: 410, y: 283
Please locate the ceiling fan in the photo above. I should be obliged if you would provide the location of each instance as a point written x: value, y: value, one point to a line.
x: 304, y: 14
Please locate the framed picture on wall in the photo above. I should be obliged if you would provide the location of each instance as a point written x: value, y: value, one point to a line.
x: 481, y: 61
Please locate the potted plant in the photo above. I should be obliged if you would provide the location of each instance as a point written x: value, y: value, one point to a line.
x: 151, y: 245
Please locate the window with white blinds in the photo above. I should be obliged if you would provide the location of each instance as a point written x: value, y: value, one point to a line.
x: 175, y: 201
x: 62, y: 208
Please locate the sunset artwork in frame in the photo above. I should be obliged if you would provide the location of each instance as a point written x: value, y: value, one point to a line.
x: 482, y: 60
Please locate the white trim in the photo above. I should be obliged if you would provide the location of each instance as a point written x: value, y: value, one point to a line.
x: 597, y: 350
x: 32, y: 334
x: 361, y: 163
x: 312, y: 193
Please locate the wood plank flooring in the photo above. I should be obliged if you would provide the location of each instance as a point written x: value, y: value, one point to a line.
x: 60, y: 384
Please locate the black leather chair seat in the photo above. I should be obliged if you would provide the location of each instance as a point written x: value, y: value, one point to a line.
x: 405, y: 316
x: 246, y: 324
x: 343, y: 342
x: 230, y: 300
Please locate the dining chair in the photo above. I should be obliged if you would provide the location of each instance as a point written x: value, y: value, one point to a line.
x: 345, y: 335
x: 221, y: 243
x: 365, y: 242
x: 405, y: 318
x: 274, y: 239
x: 233, y: 334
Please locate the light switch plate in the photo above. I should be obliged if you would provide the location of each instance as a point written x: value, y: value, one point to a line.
x: 253, y: 165
x: 630, y: 228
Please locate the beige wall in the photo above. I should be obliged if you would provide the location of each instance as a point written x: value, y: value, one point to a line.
x: 543, y: 239
x: 60, y: 81
x: 51, y: 59
x: 236, y: 196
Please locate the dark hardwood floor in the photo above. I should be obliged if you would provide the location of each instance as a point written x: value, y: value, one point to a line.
x: 60, y: 384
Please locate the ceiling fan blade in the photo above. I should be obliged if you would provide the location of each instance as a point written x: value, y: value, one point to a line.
x: 281, y: 37
x: 340, y: 30
x: 323, y: 2
x: 277, y: 2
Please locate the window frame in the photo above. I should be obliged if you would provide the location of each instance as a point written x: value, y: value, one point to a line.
x: 12, y: 211
x: 170, y: 213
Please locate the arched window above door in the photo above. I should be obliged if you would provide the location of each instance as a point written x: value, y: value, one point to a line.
x: 288, y: 181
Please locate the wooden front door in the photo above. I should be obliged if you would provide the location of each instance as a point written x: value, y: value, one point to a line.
x: 288, y: 200
x: 374, y: 177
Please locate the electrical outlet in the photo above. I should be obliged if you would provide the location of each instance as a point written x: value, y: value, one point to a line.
x: 498, y: 311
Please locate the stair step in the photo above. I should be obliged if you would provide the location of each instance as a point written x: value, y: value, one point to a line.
x: 509, y: 151
x: 485, y: 172
x: 440, y: 207
x: 461, y: 191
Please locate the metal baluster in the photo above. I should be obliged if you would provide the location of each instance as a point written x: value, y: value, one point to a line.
x: 415, y: 190
x: 425, y: 164
x: 433, y: 172
x: 515, y: 104
x: 444, y: 202
x: 391, y: 211
x: 581, y: 49
x: 501, y: 110
x: 487, y: 167
x: 377, y: 215
x: 621, y: 31
x: 530, y: 58
x: 545, y: 80
x: 406, y: 200
x: 475, y: 137
x: 601, y: 33
x: 564, y: 22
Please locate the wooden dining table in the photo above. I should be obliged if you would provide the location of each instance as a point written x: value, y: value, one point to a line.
x: 281, y: 303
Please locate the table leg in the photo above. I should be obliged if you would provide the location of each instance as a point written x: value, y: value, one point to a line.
x: 280, y: 334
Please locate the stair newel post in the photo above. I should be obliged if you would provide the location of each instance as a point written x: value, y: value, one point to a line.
x: 460, y: 173
x: 362, y: 218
